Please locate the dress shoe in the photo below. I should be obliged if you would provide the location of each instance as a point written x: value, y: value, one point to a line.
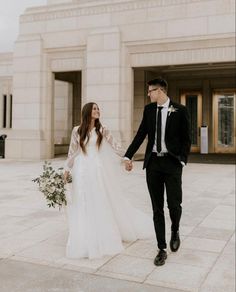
x: 160, y: 258
x: 174, y: 241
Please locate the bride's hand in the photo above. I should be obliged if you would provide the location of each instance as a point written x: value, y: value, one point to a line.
x: 128, y: 165
x: 65, y: 176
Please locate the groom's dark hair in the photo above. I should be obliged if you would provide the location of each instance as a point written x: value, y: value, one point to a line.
x: 159, y: 81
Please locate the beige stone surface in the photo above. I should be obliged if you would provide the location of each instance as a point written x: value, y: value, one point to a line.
x: 105, y: 40
x: 33, y: 237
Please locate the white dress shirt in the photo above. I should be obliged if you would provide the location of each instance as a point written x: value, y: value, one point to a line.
x: 164, y: 113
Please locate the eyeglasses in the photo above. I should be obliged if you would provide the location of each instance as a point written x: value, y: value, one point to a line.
x: 154, y: 89
x: 151, y: 90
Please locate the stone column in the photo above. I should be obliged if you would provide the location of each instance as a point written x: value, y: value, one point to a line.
x: 126, y: 97
x: 31, y: 136
x: 107, y: 80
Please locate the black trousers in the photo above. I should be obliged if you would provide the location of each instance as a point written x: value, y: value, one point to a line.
x: 164, y: 173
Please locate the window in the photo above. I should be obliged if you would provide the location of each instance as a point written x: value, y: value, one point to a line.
x: 4, y: 111
x: 10, y: 111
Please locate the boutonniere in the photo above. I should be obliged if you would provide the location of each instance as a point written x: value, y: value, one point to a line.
x: 172, y: 109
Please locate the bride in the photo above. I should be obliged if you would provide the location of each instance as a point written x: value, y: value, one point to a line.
x: 99, y: 215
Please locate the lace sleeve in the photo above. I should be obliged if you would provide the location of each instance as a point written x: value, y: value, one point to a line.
x: 111, y: 140
x: 73, y: 149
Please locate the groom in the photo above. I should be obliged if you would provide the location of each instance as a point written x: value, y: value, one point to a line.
x: 168, y: 129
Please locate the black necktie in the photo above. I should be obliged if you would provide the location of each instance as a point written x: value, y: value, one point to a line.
x: 158, y: 141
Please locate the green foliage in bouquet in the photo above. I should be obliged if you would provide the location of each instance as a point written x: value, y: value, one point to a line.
x: 69, y: 178
x: 51, y: 184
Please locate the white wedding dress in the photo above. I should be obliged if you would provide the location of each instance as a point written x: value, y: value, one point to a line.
x: 99, y: 215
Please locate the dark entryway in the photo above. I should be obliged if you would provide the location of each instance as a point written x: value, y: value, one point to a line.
x: 67, y: 107
x: 209, y: 92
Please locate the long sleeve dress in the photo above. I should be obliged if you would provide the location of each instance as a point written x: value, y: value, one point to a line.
x: 99, y: 215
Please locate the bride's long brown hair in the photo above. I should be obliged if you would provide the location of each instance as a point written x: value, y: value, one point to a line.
x: 84, y: 127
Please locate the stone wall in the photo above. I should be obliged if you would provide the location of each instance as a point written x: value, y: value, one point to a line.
x: 106, y: 40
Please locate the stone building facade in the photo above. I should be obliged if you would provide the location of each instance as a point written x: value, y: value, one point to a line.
x: 71, y: 52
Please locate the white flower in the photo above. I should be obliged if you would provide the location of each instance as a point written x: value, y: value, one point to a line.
x: 172, y: 109
x: 51, y: 189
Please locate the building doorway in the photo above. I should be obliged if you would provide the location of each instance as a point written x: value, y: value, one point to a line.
x: 193, y: 102
x: 67, y: 108
x: 196, y: 86
x: 224, y: 108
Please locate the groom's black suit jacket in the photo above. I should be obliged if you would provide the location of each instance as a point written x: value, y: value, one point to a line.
x: 177, y: 133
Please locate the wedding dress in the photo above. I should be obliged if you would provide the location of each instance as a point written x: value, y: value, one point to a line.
x: 99, y: 215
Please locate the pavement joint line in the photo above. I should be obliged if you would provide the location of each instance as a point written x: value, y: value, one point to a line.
x: 210, y: 269
x: 197, y: 225
x: 132, y: 256
x: 212, y: 266
x: 94, y: 274
x: 113, y: 257
x: 154, y: 268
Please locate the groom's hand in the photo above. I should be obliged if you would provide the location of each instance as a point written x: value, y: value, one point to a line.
x: 128, y: 165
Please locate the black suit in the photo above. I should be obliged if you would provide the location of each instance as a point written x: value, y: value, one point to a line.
x: 164, y: 171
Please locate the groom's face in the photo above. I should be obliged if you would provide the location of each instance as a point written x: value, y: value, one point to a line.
x: 155, y: 92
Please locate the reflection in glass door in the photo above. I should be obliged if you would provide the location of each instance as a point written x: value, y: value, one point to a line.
x: 193, y: 102
x: 224, y: 122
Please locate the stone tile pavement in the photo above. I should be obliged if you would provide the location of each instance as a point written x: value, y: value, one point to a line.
x: 33, y: 238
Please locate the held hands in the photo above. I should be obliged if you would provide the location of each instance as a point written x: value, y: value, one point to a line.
x: 128, y: 165
x: 65, y: 176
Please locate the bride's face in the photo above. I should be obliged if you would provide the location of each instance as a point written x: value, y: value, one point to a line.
x: 95, y: 112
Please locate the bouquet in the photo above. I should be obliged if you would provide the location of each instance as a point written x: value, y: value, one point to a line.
x: 52, y: 185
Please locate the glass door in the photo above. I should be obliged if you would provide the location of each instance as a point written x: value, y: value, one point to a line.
x: 224, y: 121
x: 193, y: 102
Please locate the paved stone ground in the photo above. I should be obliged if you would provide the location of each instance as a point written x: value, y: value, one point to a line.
x: 33, y: 238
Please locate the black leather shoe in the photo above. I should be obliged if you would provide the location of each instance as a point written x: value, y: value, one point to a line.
x: 160, y: 258
x: 174, y: 241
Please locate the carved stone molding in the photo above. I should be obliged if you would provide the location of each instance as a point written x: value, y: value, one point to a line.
x: 6, y: 58
x: 186, y: 43
x: 76, y: 10
x: 201, y: 55
x: 72, y: 64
